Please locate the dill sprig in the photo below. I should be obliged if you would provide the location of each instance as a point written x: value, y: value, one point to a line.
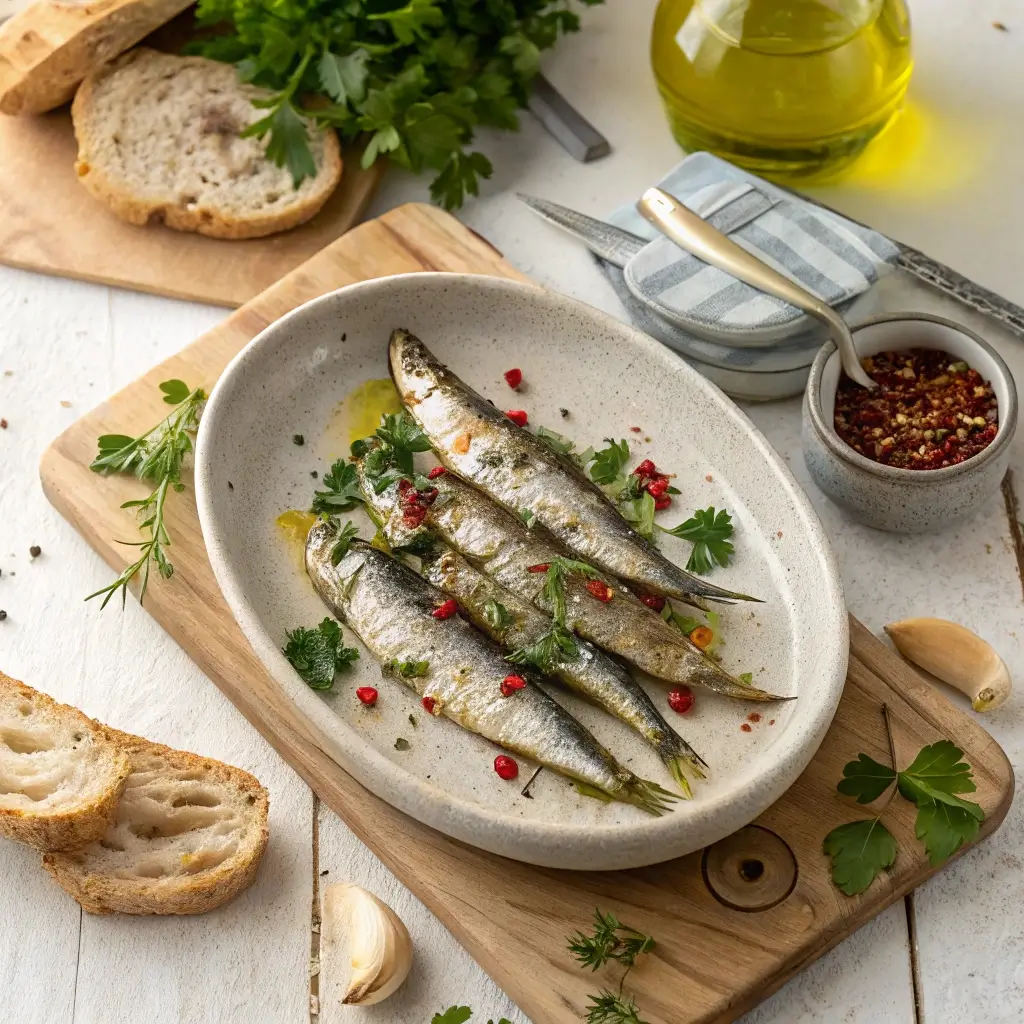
x: 155, y: 456
x: 611, y: 940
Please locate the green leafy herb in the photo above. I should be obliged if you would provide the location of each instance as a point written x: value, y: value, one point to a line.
x: 497, y: 615
x: 611, y: 941
x: 388, y: 455
x: 341, y: 489
x: 608, y: 463
x: 684, y: 623
x: 410, y: 669
x: 156, y: 456
x: 527, y: 517
x: 710, y: 532
x: 608, y: 1008
x: 746, y: 678
x: 556, y: 442
x: 417, y: 78
x: 319, y: 654
x: 639, y: 513
x: 413, y: 722
x: 861, y: 849
x: 458, y: 1015
x: 346, y: 534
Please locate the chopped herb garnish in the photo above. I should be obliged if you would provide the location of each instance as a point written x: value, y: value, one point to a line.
x: 497, y: 615
x: 341, y: 489
x: 388, y: 455
x: 298, y: 439
x: 346, y: 534
x: 639, y: 513
x: 556, y: 442
x: 410, y: 669
x: 413, y: 722
x: 402, y: 744
x: 155, y: 456
x: 318, y: 654
x: 710, y: 532
x: 746, y: 678
x: 608, y: 463
x: 527, y: 517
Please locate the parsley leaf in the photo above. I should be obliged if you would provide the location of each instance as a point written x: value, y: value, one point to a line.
x: 388, y: 455
x: 318, y: 654
x: 453, y: 1015
x: 937, y: 773
x: 344, y: 78
x: 608, y: 463
x: 710, y: 532
x: 639, y: 513
x: 343, y: 542
x: 944, y: 828
x: 866, y: 779
x: 288, y: 145
x: 497, y: 616
x: 410, y: 669
x: 556, y: 442
x: 860, y: 850
x: 341, y: 489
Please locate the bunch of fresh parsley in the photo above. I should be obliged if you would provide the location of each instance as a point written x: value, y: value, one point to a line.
x: 157, y: 457
x: 860, y: 850
x: 416, y: 77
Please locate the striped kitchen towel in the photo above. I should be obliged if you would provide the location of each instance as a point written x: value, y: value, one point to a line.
x: 829, y: 255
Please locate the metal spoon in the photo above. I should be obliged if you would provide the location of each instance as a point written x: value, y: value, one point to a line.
x: 695, y: 235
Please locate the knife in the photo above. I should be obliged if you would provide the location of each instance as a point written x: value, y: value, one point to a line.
x: 613, y: 244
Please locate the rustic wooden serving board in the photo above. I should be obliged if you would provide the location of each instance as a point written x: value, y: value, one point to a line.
x: 49, y: 223
x: 732, y: 923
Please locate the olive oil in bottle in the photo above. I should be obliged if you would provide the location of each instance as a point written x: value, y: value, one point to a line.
x: 787, y: 88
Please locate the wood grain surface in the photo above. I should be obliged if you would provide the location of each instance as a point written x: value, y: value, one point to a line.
x: 724, y: 943
x: 49, y: 223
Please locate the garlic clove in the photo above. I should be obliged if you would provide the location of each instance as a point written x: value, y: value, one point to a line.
x: 379, y: 946
x: 957, y: 656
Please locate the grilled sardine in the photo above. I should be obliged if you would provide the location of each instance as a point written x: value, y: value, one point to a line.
x: 522, y: 474
x: 389, y: 607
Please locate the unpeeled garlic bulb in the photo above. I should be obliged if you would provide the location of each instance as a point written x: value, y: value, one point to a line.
x: 378, y: 943
x: 955, y: 655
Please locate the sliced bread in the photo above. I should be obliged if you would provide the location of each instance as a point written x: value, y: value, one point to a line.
x: 189, y: 836
x: 60, y: 775
x: 47, y: 48
x: 159, y: 139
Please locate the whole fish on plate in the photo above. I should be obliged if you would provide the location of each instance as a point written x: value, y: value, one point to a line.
x: 502, y: 547
x: 517, y: 625
x: 390, y: 608
x: 523, y: 475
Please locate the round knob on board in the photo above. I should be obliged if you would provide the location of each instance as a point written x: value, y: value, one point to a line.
x: 753, y: 869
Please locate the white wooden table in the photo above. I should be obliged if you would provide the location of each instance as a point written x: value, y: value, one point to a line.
x: 952, y: 953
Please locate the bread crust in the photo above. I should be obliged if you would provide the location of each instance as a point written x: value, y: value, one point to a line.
x: 101, y: 893
x: 47, y: 48
x: 134, y: 209
x: 64, y: 829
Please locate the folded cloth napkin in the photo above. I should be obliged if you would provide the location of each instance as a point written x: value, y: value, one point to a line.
x: 828, y: 254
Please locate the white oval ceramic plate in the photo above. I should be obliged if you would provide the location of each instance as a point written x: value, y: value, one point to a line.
x: 610, y: 378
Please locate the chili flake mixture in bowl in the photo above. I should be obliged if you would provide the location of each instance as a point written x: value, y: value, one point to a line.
x: 946, y: 403
x: 930, y: 410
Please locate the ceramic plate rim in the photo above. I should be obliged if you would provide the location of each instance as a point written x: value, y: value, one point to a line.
x: 610, y: 847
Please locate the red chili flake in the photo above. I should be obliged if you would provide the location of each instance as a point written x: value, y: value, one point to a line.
x: 510, y: 684
x: 929, y: 411
x: 636, y: 430
x: 771, y: 721
x: 506, y: 767
x: 446, y: 610
x: 600, y: 590
x: 436, y: 472
x: 543, y: 567
x: 745, y: 727
x: 428, y: 704
x: 709, y: 478
x: 753, y: 717
x: 654, y: 601
x: 663, y: 503
x: 658, y: 486
x: 518, y: 417
x: 680, y: 699
x: 413, y: 503
x: 646, y: 468
x: 513, y: 378
x: 367, y: 695
x: 3, y: 424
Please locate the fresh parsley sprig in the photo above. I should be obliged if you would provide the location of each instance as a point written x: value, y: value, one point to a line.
x: 388, y: 455
x: 341, y: 490
x: 318, y: 654
x: 710, y: 532
x: 156, y: 456
x: 459, y: 1015
x: 860, y: 850
x: 416, y: 79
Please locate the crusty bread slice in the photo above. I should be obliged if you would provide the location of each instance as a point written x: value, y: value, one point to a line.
x: 189, y: 836
x: 60, y: 776
x: 47, y: 48
x: 159, y: 139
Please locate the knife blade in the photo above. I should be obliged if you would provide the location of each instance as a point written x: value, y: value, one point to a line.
x: 613, y: 244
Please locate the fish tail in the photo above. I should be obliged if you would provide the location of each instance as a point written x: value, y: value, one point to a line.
x: 648, y: 796
x: 679, y: 757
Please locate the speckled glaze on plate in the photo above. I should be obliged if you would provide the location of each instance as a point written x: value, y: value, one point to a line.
x: 290, y: 379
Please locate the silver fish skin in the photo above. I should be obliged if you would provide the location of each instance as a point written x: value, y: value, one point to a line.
x: 590, y: 673
x: 520, y: 472
x: 389, y: 607
x: 502, y: 547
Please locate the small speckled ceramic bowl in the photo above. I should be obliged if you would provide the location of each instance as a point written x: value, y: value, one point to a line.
x: 905, y: 500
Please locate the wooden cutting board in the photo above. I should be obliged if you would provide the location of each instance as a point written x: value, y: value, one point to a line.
x: 49, y: 223
x: 732, y: 922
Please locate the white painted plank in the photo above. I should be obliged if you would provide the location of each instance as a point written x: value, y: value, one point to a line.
x: 443, y: 973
